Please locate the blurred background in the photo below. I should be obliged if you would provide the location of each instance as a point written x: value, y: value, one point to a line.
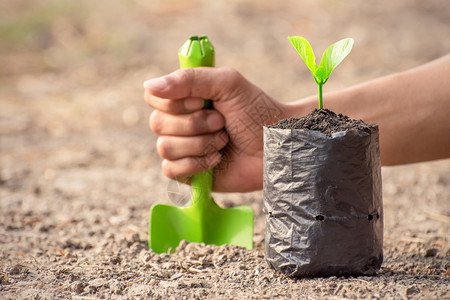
x: 73, y: 123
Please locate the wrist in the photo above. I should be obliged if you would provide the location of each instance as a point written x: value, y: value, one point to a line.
x: 299, y: 108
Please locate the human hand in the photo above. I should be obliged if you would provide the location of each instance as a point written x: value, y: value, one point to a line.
x: 228, y: 138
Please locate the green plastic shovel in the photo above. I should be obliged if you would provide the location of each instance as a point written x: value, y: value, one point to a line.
x: 203, y: 221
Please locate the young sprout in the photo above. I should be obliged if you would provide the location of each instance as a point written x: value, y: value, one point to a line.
x: 332, y: 57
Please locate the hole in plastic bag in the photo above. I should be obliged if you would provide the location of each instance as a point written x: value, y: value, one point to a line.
x: 320, y: 218
x: 370, y: 217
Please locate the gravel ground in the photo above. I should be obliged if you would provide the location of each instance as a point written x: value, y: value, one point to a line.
x: 79, y: 169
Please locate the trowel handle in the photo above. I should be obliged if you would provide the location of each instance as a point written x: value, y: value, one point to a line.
x: 202, y: 186
x: 196, y: 52
x: 199, y: 52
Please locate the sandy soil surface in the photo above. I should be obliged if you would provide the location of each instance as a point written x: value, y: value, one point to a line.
x: 78, y: 165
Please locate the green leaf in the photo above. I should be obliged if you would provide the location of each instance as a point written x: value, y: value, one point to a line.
x: 306, y: 52
x: 334, y: 55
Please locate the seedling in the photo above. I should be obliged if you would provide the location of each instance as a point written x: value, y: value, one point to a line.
x: 331, y: 58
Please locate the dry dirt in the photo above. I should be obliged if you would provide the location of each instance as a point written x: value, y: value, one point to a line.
x: 79, y: 170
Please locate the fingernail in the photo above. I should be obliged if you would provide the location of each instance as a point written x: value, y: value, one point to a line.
x: 157, y: 84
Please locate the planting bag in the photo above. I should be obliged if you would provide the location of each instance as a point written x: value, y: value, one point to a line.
x: 323, y: 202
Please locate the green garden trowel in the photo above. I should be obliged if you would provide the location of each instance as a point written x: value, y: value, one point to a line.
x: 203, y: 221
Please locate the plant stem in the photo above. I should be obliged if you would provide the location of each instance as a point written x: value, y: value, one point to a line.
x: 320, y: 96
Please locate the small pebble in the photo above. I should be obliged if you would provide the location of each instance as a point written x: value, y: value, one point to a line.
x: 115, y: 260
x: 412, y: 290
x: 431, y: 252
x: 135, y: 238
x: 145, y: 255
x: 116, y: 287
x: 176, y: 276
x: 16, y: 269
x: 78, y: 287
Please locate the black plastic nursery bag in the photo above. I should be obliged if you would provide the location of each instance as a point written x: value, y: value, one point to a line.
x: 323, y: 202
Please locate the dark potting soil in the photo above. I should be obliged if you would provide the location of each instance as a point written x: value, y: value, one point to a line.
x: 324, y: 121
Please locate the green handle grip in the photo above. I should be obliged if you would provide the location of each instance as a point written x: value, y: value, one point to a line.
x: 196, y: 52
x: 199, y: 52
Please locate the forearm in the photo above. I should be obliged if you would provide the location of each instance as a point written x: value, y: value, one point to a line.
x: 411, y: 108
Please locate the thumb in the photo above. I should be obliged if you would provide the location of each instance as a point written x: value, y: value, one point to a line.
x: 202, y: 82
